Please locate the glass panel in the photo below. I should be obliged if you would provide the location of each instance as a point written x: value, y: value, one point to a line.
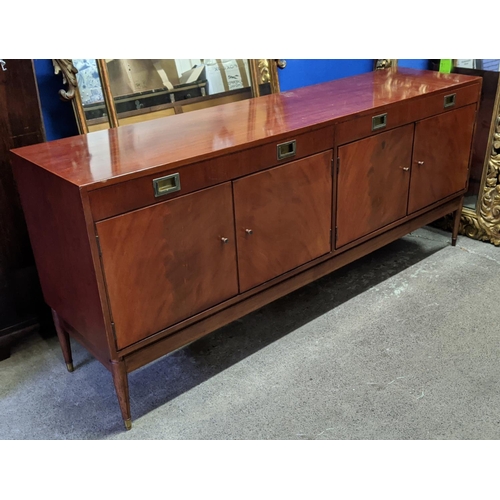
x: 144, y: 89
x: 91, y: 94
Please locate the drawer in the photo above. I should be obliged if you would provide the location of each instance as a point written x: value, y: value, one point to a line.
x: 395, y: 115
x: 385, y: 118
x: 140, y: 192
x: 444, y: 101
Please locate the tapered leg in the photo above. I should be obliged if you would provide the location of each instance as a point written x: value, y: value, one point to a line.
x: 456, y: 223
x: 120, y: 379
x: 64, y: 341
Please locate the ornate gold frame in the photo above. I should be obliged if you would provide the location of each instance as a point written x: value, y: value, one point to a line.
x: 262, y: 71
x: 483, y: 223
x: 385, y: 63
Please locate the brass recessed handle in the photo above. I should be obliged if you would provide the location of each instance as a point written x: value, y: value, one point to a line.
x: 224, y: 240
x: 405, y: 168
x: 420, y: 162
x: 248, y: 231
x: 166, y: 185
x: 287, y: 149
x: 449, y: 100
x: 379, y: 121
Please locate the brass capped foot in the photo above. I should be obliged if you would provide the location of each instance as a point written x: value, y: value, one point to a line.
x: 70, y: 367
x: 128, y: 424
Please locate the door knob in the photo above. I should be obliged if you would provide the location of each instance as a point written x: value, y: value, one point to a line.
x: 224, y: 240
x: 248, y: 231
x: 420, y: 162
x: 405, y: 168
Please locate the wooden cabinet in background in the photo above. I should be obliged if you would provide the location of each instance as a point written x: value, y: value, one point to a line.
x: 150, y: 236
x: 21, y: 303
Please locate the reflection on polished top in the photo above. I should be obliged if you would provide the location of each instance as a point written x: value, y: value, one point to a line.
x: 109, y: 156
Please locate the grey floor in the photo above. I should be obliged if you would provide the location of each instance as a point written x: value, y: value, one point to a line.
x: 403, y: 344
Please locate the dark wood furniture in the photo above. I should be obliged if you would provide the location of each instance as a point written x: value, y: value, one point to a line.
x: 148, y: 237
x: 21, y: 302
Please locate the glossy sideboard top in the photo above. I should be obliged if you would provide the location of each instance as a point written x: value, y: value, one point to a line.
x: 109, y: 156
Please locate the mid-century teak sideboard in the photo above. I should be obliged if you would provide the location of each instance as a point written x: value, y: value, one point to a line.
x: 150, y: 236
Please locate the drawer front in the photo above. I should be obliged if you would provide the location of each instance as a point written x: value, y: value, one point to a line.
x: 445, y: 101
x: 383, y: 119
x: 389, y: 117
x: 137, y: 193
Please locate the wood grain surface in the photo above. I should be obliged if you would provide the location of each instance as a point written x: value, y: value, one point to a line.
x: 373, y: 181
x: 441, y: 156
x: 283, y: 218
x: 169, y: 261
x: 21, y: 300
x: 60, y: 242
x: 110, y: 156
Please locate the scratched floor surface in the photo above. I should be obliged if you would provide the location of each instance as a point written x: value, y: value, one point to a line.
x: 403, y: 344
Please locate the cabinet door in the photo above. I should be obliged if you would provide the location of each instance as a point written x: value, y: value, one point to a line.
x: 169, y: 261
x: 441, y: 156
x: 283, y: 218
x: 373, y: 181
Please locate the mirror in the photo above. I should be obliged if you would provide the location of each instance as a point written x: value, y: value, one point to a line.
x: 113, y: 92
x: 481, y: 212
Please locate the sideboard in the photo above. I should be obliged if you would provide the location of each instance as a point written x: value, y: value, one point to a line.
x: 150, y: 236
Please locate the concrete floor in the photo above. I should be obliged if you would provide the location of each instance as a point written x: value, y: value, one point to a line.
x: 403, y: 344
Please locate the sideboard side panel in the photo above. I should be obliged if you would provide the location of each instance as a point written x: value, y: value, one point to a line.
x: 58, y: 234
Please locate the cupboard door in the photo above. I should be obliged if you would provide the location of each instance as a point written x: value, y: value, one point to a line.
x: 441, y: 156
x: 373, y: 181
x: 283, y: 218
x: 169, y: 261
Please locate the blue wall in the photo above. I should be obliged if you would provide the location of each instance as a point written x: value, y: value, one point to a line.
x: 414, y: 63
x: 302, y: 72
x: 58, y: 116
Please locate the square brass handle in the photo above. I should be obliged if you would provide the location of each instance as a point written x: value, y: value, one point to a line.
x: 449, y: 100
x: 379, y: 121
x: 166, y: 185
x: 287, y: 149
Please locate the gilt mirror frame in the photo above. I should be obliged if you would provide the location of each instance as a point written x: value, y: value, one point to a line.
x: 483, y: 222
x: 261, y: 72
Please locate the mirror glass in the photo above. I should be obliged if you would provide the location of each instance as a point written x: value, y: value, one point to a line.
x: 145, y: 89
x: 91, y: 93
x: 489, y: 70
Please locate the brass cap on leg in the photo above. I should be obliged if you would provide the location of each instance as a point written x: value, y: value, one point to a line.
x: 128, y: 424
x: 70, y: 367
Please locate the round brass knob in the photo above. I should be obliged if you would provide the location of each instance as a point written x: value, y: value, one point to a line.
x: 248, y: 231
x: 224, y: 240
